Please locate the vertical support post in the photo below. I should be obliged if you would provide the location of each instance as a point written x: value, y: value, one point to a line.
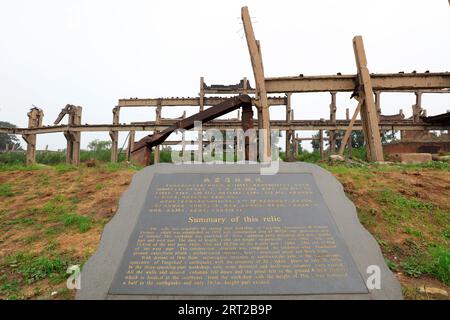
x: 322, y: 155
x: 333, y: 121
x: 115, y: 136
x: 378, y: 103
x: 201, y: 94
x: 35, y: 117
x: 247, y: 124
x: 288, y: 132
x: 183, y: 137
x: 295, y: 148
x: 258, y: 72
x: 131, y: 137
x: 417, y: 107
x: 349, y: 143
x: 157, y: 155
x: 245, y: 88
x: 73, y: 137
x: 368, y: 109
x: 200, y: 133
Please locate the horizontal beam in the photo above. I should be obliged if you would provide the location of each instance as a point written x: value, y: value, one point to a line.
x: 187, y: 102
x: 225, y: 124
x: 380, y: 82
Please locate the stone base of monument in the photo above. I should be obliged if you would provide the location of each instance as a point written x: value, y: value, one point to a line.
x: 228, y: 232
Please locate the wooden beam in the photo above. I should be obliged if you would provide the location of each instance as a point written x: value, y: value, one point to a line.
x: 258, y: 72
x: 73, y: 137
x: 306, y: 125
x: 157, y: 154
x: 131, y: 137
x: 289, y: 133
x: 322, y: 156
x: 349, y: 143
x: 35, y: 117
x: 115, y: 136
x: 396, y: 82
x: 188, y: 102
x: 349, y: 130
x: 333, y: 120
x: 368, y: 109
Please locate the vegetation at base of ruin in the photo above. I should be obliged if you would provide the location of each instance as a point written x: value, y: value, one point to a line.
x: 52, y: 216
x: 406, y: 209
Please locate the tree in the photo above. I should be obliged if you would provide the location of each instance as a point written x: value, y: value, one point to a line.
x: 99, y: 146
x: 357, y: 139
x: 9, y: 140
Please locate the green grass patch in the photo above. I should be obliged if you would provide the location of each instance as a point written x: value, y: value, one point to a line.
x: 6, y: 190
x: 394, y: 199
x: 113, y: 167
x: 414, y: 232
x: 83, y: 223
x: 20, y: 167
x: 10, y: 288
x: 434, y: 262
x: 57, y: 207
x: 62, y: 210
x: 63, y: 168
x: 33, y: 268
x: 24, y: 221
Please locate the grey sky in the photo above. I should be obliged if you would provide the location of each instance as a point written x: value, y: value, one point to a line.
x: 91, y: 53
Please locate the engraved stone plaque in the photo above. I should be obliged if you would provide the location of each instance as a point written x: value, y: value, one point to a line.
x: 228, y: 232
x: 235, y: 234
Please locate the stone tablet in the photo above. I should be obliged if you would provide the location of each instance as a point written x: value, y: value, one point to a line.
x: 225, y: 231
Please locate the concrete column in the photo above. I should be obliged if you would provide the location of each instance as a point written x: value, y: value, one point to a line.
x: 115, y: 136
x: 349, y: 143
x: 73, y: 137
x: 35, y: 117
x: 333, y: 121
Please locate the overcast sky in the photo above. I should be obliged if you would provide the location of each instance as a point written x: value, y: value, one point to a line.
x: 91, y: 53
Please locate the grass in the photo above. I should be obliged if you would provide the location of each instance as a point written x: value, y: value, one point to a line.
x: 32, y: 268
x: 17, y: 159
x: 62, y: 210
x: 50, y: 219
x: 401, y: 203
x: 411, y: 228
x: 83, y: 223
x: 434, y: 262
x: 56, y: 213
x: 6, y: 190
